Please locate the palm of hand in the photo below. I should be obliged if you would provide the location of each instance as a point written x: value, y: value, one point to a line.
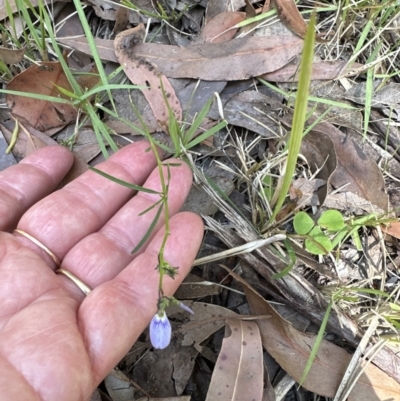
x: 55, y: 344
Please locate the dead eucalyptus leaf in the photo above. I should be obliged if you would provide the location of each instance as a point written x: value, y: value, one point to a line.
x: 119, y: 386
x: 221, y: 28
x: 14, y: 8
x: 195, y: 287
x: 143, y: 73
x: 320, y: 71
x: 238, y: 374
x: 291, y: 349
x: 355, y: 170
x: 320, y: 154
x: 206, y: 320
x: 291, y: 17
x: 11, y: 56
x: 41, y: 79
x: 392, y: 229
x: 233, y: 60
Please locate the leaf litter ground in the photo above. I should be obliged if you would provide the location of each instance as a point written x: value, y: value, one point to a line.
x: 237, y: 345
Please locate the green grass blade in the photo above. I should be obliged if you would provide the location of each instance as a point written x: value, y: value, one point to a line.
x: 93, y: 48
x: 299, y: 114
x: 207, y: 134
x: 317, y: 344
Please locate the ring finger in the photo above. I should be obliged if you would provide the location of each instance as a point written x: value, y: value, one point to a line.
x: 82, y: 207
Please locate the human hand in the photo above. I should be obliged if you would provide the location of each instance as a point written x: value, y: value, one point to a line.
x: 55, y: 343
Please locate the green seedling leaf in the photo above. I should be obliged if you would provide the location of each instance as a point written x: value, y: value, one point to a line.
x: 303, y: 223
x: 318, y: 243
x: 292, y: 257
x: 394, y: 306
x: 149, y: 231
x: 331, y: 220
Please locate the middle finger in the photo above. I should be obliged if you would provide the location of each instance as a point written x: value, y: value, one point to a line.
x: 102, y: 255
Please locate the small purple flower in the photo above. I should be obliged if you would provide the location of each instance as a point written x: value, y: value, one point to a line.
x: 160, y: 331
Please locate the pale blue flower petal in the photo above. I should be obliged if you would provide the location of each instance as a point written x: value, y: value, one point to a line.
x: 160, y: 331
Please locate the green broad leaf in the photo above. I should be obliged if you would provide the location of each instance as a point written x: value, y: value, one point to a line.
x: 317, y: 242
x: 394, y: 306
x: 303, y: 223
x: 331, y: 220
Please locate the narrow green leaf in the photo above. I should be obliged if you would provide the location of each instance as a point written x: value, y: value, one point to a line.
x: 300, y: 112
x: 149, y: 231
x: 124, y: 183
x: 317, y: 344
x: 207, y: 134
x: 292, y: 257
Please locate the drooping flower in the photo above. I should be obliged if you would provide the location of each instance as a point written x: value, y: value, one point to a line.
x: 160, y: 330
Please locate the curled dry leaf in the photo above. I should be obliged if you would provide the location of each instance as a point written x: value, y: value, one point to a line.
x: 11, y: 56
x: 233, y: 60
x: 291, y: 17
x: 206, y: 320
x: 157, y: 88
x: 221, y: 28
x: 291, y: 349
x: 320, y: 154
x: 238, y: 374
x: 41, y: 79
x: 355, y: 170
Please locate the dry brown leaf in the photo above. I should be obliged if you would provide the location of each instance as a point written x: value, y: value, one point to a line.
x: 215, y: 7
x: 11, y: 56
x: 238, y: 374
x: 14, y: 7
x: 119, y: 386
x: 195, y: 287
x: 320, y: 154
x: 121, y: 19
x: 143, y: 73
x: 291, y: 17
x: 41, y: 79
x: 206, y: 320
x: 320, y: 71
x: 291, y: 349
x: 355, y: 169
x: 221, y: 28
x: 233, y: 60
x: 393, y: 229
